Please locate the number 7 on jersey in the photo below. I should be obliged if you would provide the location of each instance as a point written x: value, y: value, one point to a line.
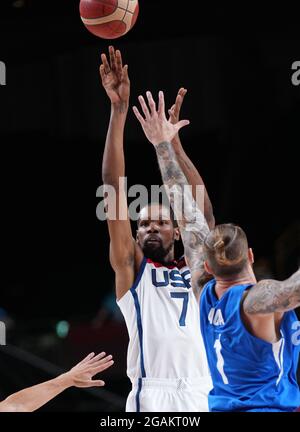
x: 185, y: 298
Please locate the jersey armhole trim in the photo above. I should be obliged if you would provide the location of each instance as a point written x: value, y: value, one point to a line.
x: 139, y: 275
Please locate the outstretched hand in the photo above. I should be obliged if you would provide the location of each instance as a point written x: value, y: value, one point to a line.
x: 155, y: 124
x: 114, y: 77
x: 81, y: 375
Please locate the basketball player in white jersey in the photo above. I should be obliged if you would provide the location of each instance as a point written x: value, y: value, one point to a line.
x: 167, y: 365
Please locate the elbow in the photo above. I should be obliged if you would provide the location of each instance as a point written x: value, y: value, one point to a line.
x: 209, y: 215
x: 109, y: 179
x: 210, y: 220
x: 8, y: 406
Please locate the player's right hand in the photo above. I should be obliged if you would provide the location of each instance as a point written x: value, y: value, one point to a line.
x: 81, y: 375
x: 114, y: 77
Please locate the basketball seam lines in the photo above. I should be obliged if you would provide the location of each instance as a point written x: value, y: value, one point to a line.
x: 126, y: 10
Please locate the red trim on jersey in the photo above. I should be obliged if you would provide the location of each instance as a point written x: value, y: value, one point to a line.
x: 157, y: 264
x: 181, y: 263
x: 177, y: 264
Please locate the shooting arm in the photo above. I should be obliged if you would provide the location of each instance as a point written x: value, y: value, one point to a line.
x: 269, y: 296
x: 122, y: 246
x: 116, y: 83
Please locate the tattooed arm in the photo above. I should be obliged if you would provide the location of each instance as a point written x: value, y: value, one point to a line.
x: 192, y: 224
x: 269, y: 296
x: 189, y: 170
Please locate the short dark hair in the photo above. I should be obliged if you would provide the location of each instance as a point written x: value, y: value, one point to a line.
x: 172, y: 216
x: 226, y: 250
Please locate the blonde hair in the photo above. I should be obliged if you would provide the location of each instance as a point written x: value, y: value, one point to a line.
x: 226, y: 250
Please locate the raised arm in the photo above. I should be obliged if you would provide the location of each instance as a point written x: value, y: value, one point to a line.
x: 123, y: 249
x: 81, y: 375
x: 188, y: 168
x: 192, y: 224
x: 269, y: 296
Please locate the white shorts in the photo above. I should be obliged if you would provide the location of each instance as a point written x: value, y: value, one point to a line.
x: 169, y: 395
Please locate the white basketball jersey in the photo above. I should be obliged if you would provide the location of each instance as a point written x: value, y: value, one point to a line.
x: 163, y: 322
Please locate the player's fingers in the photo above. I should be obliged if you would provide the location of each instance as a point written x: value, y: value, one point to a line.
x: 178, y: 104
x: 98, y: 383
x: 138, y: 116
x: 101, y: 367
x: 152, y: 103
x: 98, y: 357
x: 105, y: 63
x: 161, y: 104
x: 125, y: 76
x: 172, y: 117
x: 144, y: 107
x: 182, y: 124
x: 99, y: 361
x: 102, y: 72
x: 179, y: 100
x: 119, y: 63
x: 91, y: 383
x: 182, y: 91
x: 112, y: 58
x: 87, y: 358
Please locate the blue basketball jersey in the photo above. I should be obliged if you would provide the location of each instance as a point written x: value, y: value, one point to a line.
x: 248, y: 374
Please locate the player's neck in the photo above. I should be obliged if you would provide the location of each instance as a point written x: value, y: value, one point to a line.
x: 243, y: 278
x: 169, y: 259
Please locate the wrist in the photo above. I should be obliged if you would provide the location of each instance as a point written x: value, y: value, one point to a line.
x: 176, y: 143
x: 65, y: 381
x: 162, y: 144
x: 120, y: 108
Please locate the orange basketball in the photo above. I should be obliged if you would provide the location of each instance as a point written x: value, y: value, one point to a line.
x: 109, y: 19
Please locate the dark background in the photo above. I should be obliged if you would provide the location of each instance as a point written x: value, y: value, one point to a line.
x: 243, y: 137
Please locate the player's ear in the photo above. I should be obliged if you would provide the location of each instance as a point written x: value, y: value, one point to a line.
x: 137, y: 236
x: 207, y: 268
x: 177, y: 234
x: 251, y: 255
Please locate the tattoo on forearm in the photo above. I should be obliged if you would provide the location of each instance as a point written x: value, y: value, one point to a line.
x: 270, y: 296
x: 193, y: 226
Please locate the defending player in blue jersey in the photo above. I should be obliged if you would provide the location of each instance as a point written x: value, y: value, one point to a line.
x: 250, y: 330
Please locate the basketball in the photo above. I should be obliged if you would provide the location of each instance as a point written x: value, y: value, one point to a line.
x: 109, y: 19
